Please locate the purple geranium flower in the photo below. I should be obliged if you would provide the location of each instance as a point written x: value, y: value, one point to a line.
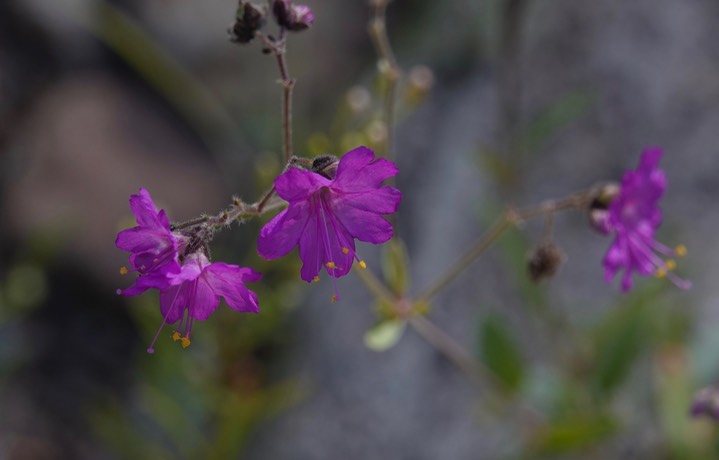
x: 634, y: 216
x: 325, y: 215
x: 153, y: 246
x: 201, y: 284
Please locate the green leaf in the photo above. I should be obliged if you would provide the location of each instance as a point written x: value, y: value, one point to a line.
x: 618, y: 342
x: 572, y: 434
x: 384, y: 335
x: 394, y: 266
x: 500, y: 353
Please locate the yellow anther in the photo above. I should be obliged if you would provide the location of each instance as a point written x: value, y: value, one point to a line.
x: 176, y: 336
x: 330, y: 265
x: 345, y: 250
x: 680, y: 250
x: 333, y: 298
x: 185, y: 341
x: 362, y: 265
x: 316, y: 279
x: 661, y: 273
x: 670, y: 264
x: 123, y: 270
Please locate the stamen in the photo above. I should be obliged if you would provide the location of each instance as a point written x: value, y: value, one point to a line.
x: 185, y: 342
x: 671, y: 264
x: 142, y: 268
x: 334, y: 298
x: 316, y: 279
x: 661, y: 273
x: 680, y: 250
x: 164, y: 320
x: 331, y: 265
x: 345, y: 250
x: 362, y: 264
x: 123, y: 270
x: 176, y: 336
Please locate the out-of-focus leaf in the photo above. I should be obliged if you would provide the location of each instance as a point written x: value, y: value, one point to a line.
x: 618, y: 341
x: 394, y: 266
x: 384, y: 335
x: 559, y: 113
x: 239, y: 414
x: 500, y: 353
x: 572, y: 434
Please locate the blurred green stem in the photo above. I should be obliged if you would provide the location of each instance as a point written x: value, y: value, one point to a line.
x: 388, y: 67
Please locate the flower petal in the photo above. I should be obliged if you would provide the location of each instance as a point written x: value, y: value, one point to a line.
x: 228, y: 281
x: 173, y: 301
x: 384, y: 200
x: 358, y: 171
x: 280, y: 235
x: 204, y: 300
x: 365, y: 226
x: 296, y: 184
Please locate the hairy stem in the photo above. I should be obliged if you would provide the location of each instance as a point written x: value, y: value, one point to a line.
x: 279, y: 49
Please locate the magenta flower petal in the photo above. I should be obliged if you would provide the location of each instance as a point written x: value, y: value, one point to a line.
x: 364, y: 225
x: 202, y: 287
x: 359, y: 171
x: 325, y: 216
x: 633, y: 217
x: 296, y: 184
x: 280, y: 235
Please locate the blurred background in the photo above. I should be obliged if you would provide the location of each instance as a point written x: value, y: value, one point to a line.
x: 502, y: 102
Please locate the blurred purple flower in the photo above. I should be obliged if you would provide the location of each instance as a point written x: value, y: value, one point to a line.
x: 197, y: 294
x: 153, y: 246
x: 292, y: 17
x: 706, y: 403
x: 634, y: 216
x: 325, y: 215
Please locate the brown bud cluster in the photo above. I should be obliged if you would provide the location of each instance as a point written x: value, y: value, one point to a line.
x: 249, y: 19
x: 544, y: 261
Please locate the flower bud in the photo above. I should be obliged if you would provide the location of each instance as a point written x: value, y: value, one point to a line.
x: 249, y: 19
x: 325, y: 165
x: 544, y: 261
x: 295, y: 18
x: 598, y: 210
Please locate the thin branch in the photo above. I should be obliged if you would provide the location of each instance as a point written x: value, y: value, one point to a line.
x: 278, y: 48
x: 388, y: 67
x: 507, y: 220
x: 474, y: 369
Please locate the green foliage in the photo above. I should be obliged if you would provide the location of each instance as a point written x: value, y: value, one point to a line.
x: 619, y: 339
x: 384, y: 335
x: 572, y: 434
x: 395, y: 265
x: 500, y: 353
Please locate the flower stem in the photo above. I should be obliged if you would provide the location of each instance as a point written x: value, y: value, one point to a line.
x: 278, y: 48
x: 474, y: 369
x: 388, y: 67
x: 508, y: 219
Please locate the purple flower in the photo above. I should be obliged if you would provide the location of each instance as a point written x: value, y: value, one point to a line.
x: 153, y: 246
x: 706, y: 403
x: 634, y: 216
x: 325, y: 215
x: 201, y: 284
x: 292, y: 17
